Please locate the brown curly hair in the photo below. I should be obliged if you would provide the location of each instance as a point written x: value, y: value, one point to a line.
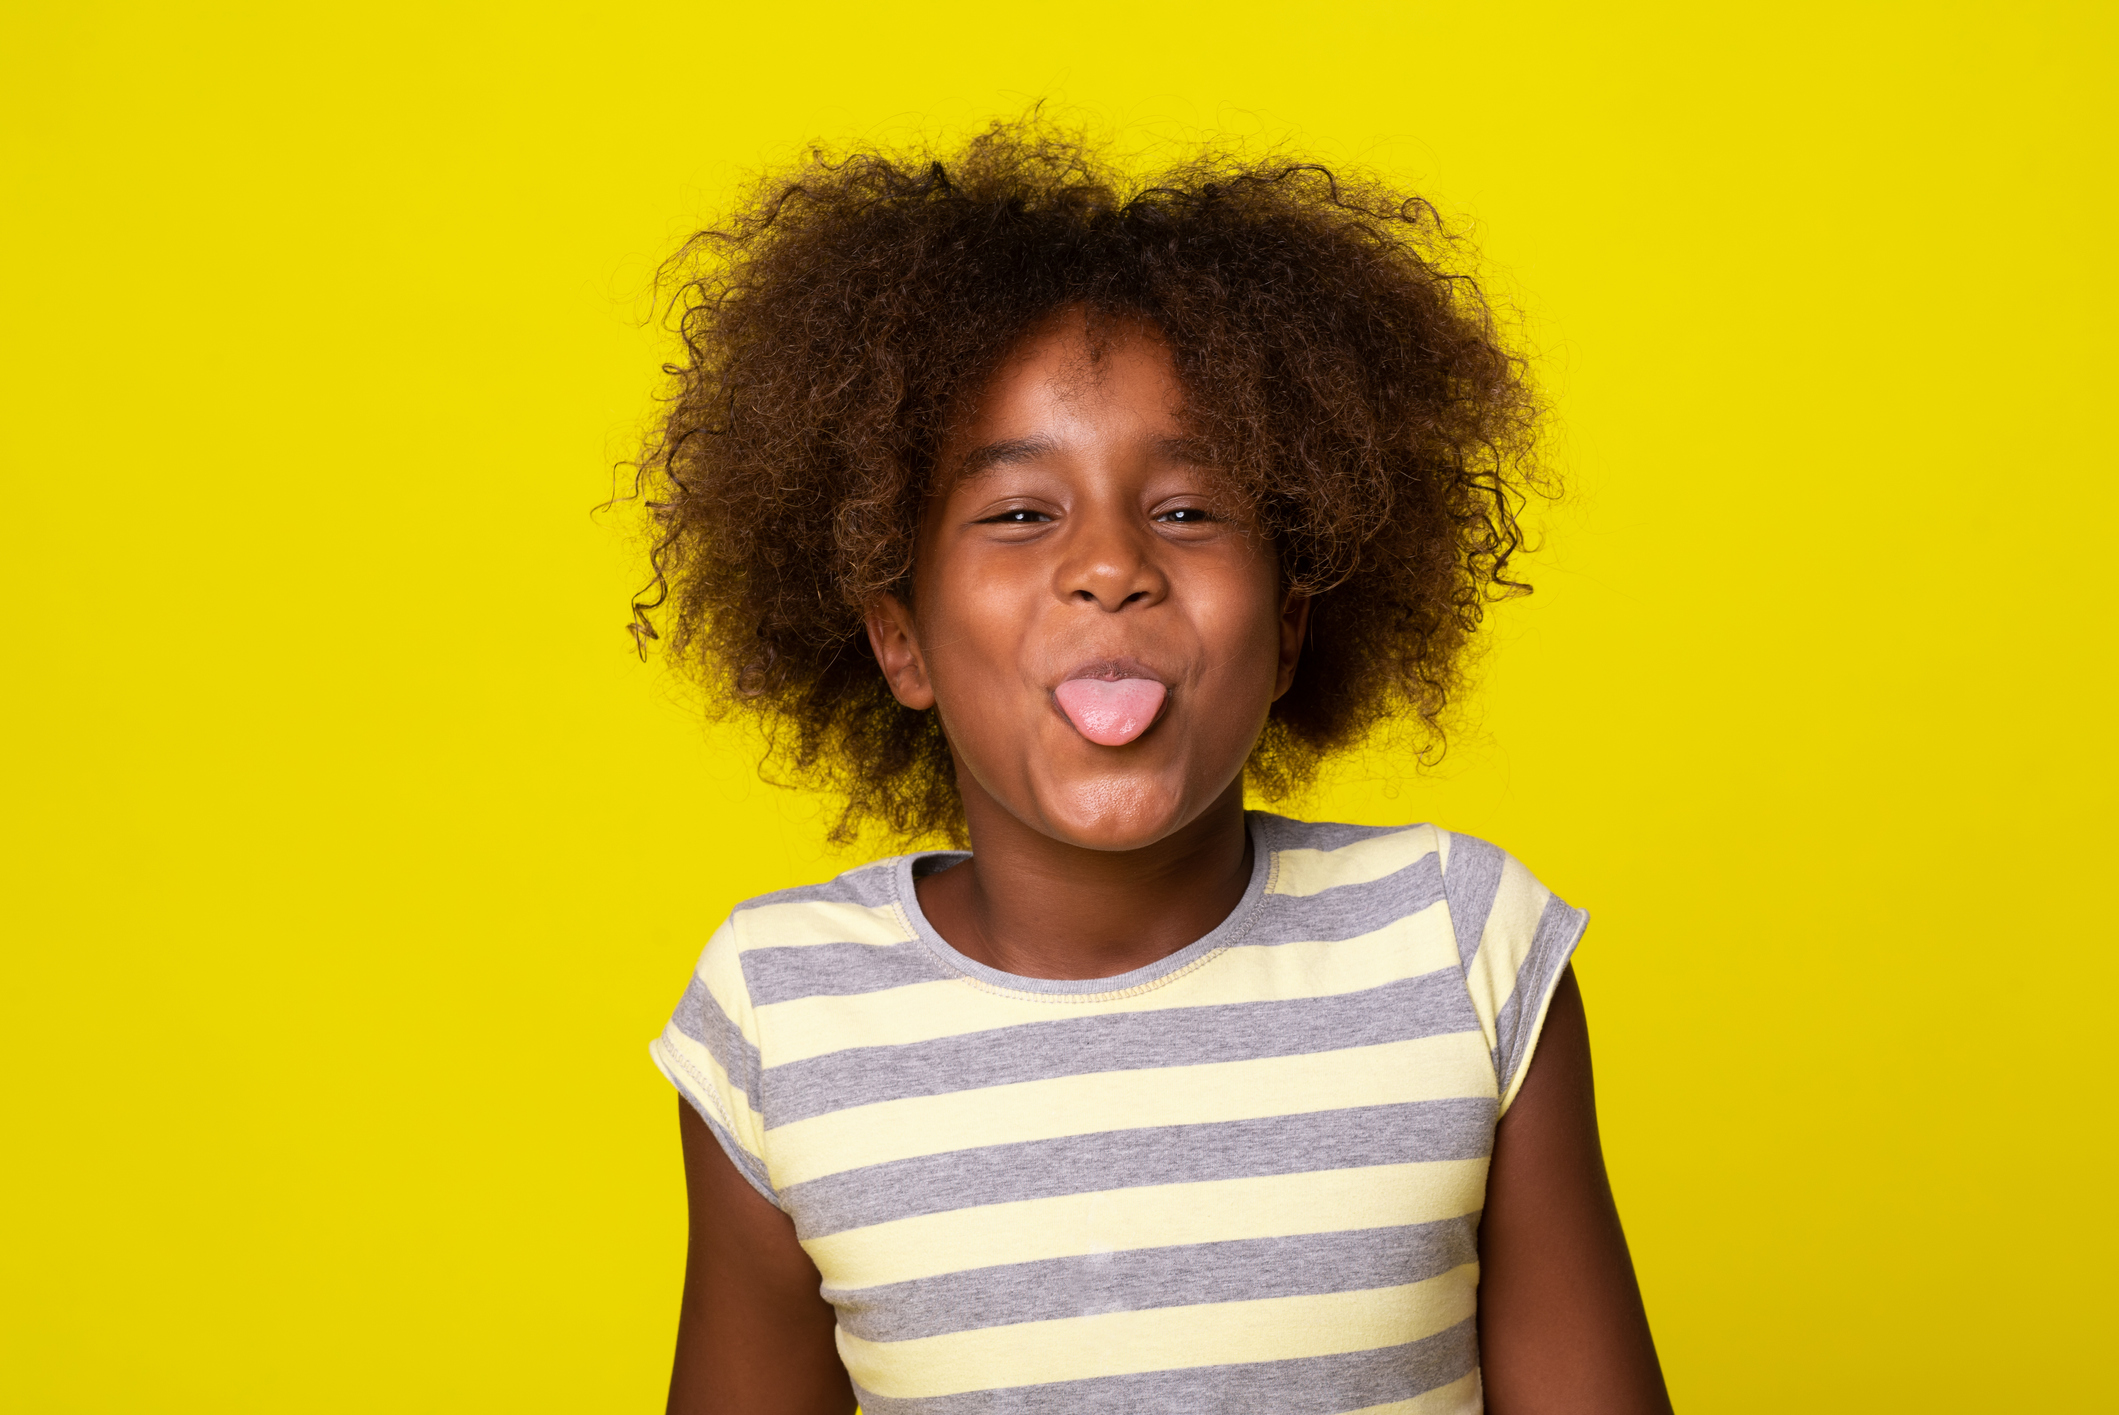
x: 1344, y: 372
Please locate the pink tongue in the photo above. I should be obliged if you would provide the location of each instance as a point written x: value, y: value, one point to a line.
x: 1110, y: 714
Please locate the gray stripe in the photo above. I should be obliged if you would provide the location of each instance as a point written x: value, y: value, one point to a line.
x: 1351, y: 1138
x: 1241, y: 1270
x: 1312, y: 1385
x: 1292, y: 834
x: 1423, y: 1006
x: 870, y: 886
x: 699, y: 1017
x: 835, y: 970
x: 1350, y: 910
x: 1472, y: 879
x: 746, y: 1164
x: 1559, y: 930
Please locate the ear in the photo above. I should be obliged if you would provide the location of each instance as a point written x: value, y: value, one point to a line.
x: 1294, y: 623
x: 897, y: 648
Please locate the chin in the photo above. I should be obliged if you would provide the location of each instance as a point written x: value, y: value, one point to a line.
x: 1114, y: 812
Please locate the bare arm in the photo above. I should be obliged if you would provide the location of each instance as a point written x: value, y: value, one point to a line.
x: 754, y: 1337
x: 1561, y: 1325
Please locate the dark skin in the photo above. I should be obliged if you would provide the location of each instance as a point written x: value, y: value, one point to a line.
x: 1077, y: 526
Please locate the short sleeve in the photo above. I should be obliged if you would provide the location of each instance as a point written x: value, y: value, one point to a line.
x: 709, y: 1052
x: 1514, y: 937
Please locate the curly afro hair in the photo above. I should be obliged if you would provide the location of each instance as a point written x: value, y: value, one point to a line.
x: 1345, y: 374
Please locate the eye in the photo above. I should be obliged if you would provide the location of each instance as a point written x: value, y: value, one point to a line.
x: 1187, y: 516
x: 1016, y: 516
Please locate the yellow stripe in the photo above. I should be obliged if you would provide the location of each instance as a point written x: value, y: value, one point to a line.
x: 1462, y: 1396
x: 1510, y: 926
x: 1152, y: 1216
x: 1305, y: 872
x: 1423, y: 1069
x: 798, y: 925
x: 1169, y: 1338
x: 921, y: 1012
x: 916, y: 1012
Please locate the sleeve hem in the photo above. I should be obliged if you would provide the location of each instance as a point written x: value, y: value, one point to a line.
x: 703, y: 1102
x: 1561, y: 952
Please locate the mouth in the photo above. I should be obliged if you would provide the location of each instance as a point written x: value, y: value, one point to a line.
x: 1112, y: 701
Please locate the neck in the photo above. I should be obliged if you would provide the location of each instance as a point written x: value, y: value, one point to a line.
x: 1037, y: 907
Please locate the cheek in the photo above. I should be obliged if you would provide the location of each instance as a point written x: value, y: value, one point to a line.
x: 1242, y: 622
x: 973, y: 640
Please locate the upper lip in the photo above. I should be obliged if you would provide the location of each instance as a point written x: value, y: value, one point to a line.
x: 1112, y: 669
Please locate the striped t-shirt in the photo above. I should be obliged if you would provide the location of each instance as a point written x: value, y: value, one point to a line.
x: 1245, y: 1178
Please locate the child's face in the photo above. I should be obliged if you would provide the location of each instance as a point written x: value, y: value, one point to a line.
x: 1073, y: 536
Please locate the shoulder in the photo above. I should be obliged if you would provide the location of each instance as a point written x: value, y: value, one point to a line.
x: 1498, y: 909
x: 869, y: 885
x: 849, y: 905
x: 1400, y: 869
x: 1326, y: 881
x: 857, y: 906
x: 1312, y: 857
x: 846, y: 936
x: 1512, y: 936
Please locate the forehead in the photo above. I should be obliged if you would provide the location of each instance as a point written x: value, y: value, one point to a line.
x: 1068, y: 381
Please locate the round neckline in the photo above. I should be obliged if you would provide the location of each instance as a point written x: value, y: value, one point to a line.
x: 1213, y: 941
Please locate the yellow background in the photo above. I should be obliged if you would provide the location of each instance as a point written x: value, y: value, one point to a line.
x: 351, y: 859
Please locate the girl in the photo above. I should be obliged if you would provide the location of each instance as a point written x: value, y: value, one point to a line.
x: 1041, y: 512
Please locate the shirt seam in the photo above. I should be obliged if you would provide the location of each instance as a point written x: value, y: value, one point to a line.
x: 762, y: 1180
x: 1464, y: 965
x: 705, y: 1088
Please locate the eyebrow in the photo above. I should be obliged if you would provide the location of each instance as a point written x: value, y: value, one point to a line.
x: 980, y: 460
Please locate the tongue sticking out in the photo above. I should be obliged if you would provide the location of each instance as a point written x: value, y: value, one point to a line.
x: 1110, y: 713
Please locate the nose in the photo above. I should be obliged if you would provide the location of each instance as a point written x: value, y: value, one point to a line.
x: 1110, y: 562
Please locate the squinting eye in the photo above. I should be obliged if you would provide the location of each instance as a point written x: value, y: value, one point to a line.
x: 1187, y: 515
x: 1018, y: 517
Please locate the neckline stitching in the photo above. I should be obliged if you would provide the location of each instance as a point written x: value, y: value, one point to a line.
x: 1248, y: 909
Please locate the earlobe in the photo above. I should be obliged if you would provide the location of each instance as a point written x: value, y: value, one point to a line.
x: 892, y: 639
